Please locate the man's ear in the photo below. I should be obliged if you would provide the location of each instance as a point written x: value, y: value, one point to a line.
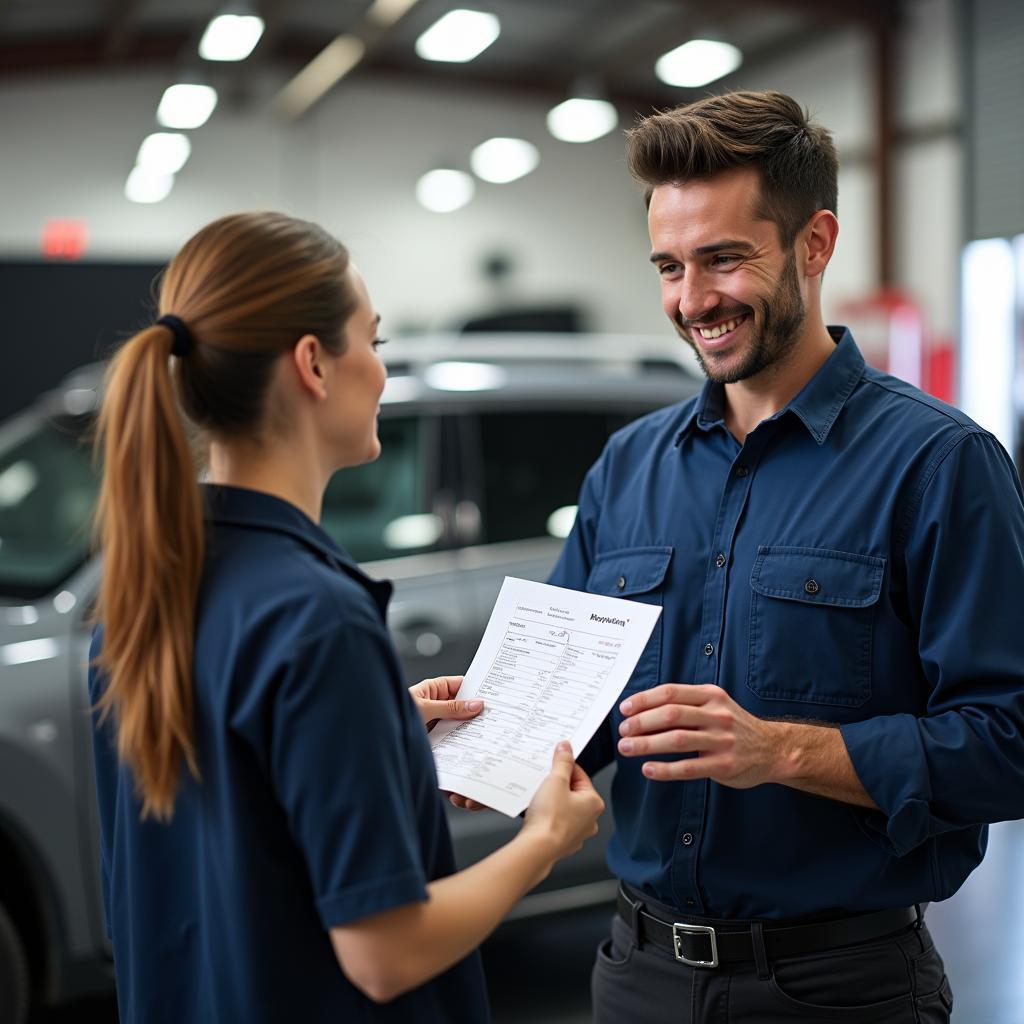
x: 819, y: 242
x: 308, y: 359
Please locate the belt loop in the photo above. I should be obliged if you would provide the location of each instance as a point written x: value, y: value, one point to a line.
x: 635, y: 910
x: 760, y: 953
x: 920, y: 916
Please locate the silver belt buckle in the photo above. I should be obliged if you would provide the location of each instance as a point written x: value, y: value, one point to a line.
x: 677, y: 942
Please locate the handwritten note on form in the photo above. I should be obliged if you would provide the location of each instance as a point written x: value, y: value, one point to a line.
x: 550, y: 666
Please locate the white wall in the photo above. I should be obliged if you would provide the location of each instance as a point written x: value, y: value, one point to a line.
x: 575, y: 227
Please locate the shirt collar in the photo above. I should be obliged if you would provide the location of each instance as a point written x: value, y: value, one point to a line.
x: 257, y: 510
x: 817, y: 405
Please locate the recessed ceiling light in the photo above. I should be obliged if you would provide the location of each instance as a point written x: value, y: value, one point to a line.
x: 186, y: 105
x: 164, y: 152
x: 697, y: 62
x: 459, y: 36
x: 146, y: 186
x: 503, y: 160
x: 582, y: 120
x: 444, y: 190
x: 231, y: 37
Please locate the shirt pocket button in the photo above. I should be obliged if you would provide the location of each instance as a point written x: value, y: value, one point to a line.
x: 811, y: 586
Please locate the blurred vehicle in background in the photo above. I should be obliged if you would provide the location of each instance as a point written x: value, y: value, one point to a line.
x: 485, y: 444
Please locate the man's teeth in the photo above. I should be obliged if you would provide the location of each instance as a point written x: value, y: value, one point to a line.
x: 710, y: 333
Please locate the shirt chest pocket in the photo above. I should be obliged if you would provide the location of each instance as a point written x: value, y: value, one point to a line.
x: 637, y: 574
x: 811, y: 625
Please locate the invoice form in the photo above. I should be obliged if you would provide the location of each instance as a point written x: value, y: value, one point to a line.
x: 550, y: 666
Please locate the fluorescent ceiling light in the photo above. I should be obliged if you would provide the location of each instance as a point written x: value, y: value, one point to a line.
x: 385, y: 13
x: 697, y: 62
x: 322, y: 73
x: 459, y: 36
x: 503, y: 160
x: 445, y: 191
x: 186, y: 106
x: 146, y: 186
x: 231, y: 37
x: 164, y: 152
x: 582, y: 120
x: 456, y: 376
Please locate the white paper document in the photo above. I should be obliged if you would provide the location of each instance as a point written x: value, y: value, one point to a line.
x: 550, y: 666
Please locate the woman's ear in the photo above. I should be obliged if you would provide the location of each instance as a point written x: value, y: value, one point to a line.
x: 308, y: 359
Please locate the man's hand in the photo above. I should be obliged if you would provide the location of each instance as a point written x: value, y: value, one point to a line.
x: 435, y: 699
x: 735, y: 748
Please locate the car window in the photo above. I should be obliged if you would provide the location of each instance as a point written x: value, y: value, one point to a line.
x: 48, y: 490
x: 533, y: 466
x: 383, y: 509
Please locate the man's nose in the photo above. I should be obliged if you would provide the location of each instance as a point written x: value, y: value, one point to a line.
x: 695, y: 299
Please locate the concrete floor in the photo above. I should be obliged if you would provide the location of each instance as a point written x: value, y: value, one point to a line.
x: 539, y: 971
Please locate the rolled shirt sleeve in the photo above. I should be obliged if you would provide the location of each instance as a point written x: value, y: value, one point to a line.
x: 962, y: 763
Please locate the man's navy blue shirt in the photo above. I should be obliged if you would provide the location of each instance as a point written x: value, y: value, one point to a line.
x: 858, y: 560
x: 318, y: 803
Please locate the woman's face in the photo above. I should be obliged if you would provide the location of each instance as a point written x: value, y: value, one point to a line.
x: 357, y: 382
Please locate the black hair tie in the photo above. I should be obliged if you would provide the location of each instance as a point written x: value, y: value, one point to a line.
x: 182, y: 343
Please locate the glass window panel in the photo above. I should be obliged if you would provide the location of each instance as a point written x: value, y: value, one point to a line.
x: 48, y: 489
x: 382, y: 509
x: 534, y: 464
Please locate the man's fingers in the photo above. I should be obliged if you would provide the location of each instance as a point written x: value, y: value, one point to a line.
x: 688, y: 768
x: 674, y: 741
x: 666, y: 717
x: 668, y: 693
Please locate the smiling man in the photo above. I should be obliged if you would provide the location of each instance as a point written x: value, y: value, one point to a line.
x: 831, y: 708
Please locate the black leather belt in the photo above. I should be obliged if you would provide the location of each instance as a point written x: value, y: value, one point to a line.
x: 693, y: 941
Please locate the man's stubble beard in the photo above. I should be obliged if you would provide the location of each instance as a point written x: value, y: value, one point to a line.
x: 782, y: 315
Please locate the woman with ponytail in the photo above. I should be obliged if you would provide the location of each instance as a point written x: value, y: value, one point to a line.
x: 274, y: 847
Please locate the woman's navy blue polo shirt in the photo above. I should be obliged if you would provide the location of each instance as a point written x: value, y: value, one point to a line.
x: 318, y: 803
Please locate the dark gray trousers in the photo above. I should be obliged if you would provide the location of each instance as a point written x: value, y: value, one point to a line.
x: 895, y: 980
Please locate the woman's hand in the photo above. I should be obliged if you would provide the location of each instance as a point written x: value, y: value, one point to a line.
x: 566, y: 807
x: 435, y: 699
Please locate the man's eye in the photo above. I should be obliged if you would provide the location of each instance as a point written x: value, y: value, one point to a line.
x: 723, y: 260
x: 668, y: 268
x: 377, y: 342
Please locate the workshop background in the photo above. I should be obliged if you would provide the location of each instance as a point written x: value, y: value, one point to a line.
x: 350, y: 113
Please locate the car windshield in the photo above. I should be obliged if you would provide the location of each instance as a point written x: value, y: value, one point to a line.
x: 48, y: 490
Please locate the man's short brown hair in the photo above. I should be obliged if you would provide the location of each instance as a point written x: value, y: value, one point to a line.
x: 794, y: 157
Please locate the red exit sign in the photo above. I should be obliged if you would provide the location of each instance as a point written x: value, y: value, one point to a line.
x: 64, y: 238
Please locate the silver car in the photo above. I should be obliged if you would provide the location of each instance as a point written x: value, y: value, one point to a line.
x: 485, y: 443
